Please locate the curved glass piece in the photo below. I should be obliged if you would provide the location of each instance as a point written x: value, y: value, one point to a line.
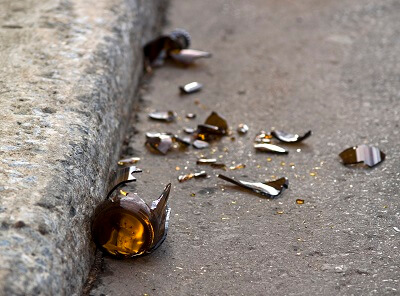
x: 158, y: 49
x: 122, y: 176
x: 128, y: 227
x: 369, y: 155
x: 289, y: 138
x: 269, y: 189
x: 167, y: 116
x: 265, y: 147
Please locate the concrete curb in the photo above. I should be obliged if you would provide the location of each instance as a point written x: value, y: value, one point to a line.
x: 71, y: 71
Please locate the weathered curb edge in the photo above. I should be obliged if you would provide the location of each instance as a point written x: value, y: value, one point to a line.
x: 71, y: 69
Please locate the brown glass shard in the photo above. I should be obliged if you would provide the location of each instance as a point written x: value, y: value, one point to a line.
x: 159, y: 142
x: 188, y: 56
x: 122, y: 176
x: 128, y: 227
x: 167, y: 116
x: 263, y: 137
x: 369, y: 155
x: 289, y: 138
x: 183, y: 178
x: 199, y: 144
x: 217, y: 120
x: 300, y: 201
x: 242, y: 129
x: 160, y: 48
x: 190, y: 116
x: 186, y: 141
x: 191, y: 88
x: 269, y: 189
x: 265, y: 147
x: 128, y: 161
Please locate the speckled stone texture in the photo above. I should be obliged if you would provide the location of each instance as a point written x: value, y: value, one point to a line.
x: 69, y: 71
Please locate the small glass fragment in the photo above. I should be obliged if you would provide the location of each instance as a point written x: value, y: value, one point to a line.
x: 300, y: 201
x: 186, y: 141
x: 189, y: 130
x: 128, y: 227
x: 122, y: 176
x: 191, y: 116
x: 216, y: 120
x: 369, y: 155
x: 183, y: 178
x: 238, y: 167
x: 279, y: 212
x: 157, y: 50
x: 206, y: 160
x: 269, y: 159
x: 313, y: 174
x: 188, y: 56
x: 269, y: 189
x: 167, y: 116
x: 127, y: 161
x: 191, y: 87
x: 177, y: 168
x: 193, y: 194
x: 263, y: 137
x: 289, y: 138
x: 242, y: 129
x: 159, y: 142
x: 264, y: 147
x: 199, y: 144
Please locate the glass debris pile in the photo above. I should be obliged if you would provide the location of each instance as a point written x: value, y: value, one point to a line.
x: 125, y: 226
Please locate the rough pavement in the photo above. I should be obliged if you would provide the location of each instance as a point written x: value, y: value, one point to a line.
x: 69, y: 70
x: 330, y: 66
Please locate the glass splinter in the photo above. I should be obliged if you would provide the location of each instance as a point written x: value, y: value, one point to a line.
x: 127, y: 161
x: 269, y: 189
x: 289, y: 138
x: 122, y: 176
x: 191, y: 116
x: 191, y: 88
x: 167, y: 116
x: 369, y: 155
x: 199, y: 144
x: 265, y: 147
x: 188, y: 56
x: 242, y: 129
x: 159, y: 142
x: 183, y: 178
x: 206, y: 160
x: 128, y: 227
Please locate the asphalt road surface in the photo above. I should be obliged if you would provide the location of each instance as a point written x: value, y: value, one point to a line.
x: 329, y: 66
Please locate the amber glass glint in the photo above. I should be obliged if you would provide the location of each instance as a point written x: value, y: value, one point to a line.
x: 122, y: 232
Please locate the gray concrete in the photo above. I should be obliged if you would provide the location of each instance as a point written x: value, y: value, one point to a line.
x: 69, y: 70
x: 330, y: 66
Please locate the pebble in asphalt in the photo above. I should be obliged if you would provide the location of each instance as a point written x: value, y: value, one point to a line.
x: 329, y: 66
